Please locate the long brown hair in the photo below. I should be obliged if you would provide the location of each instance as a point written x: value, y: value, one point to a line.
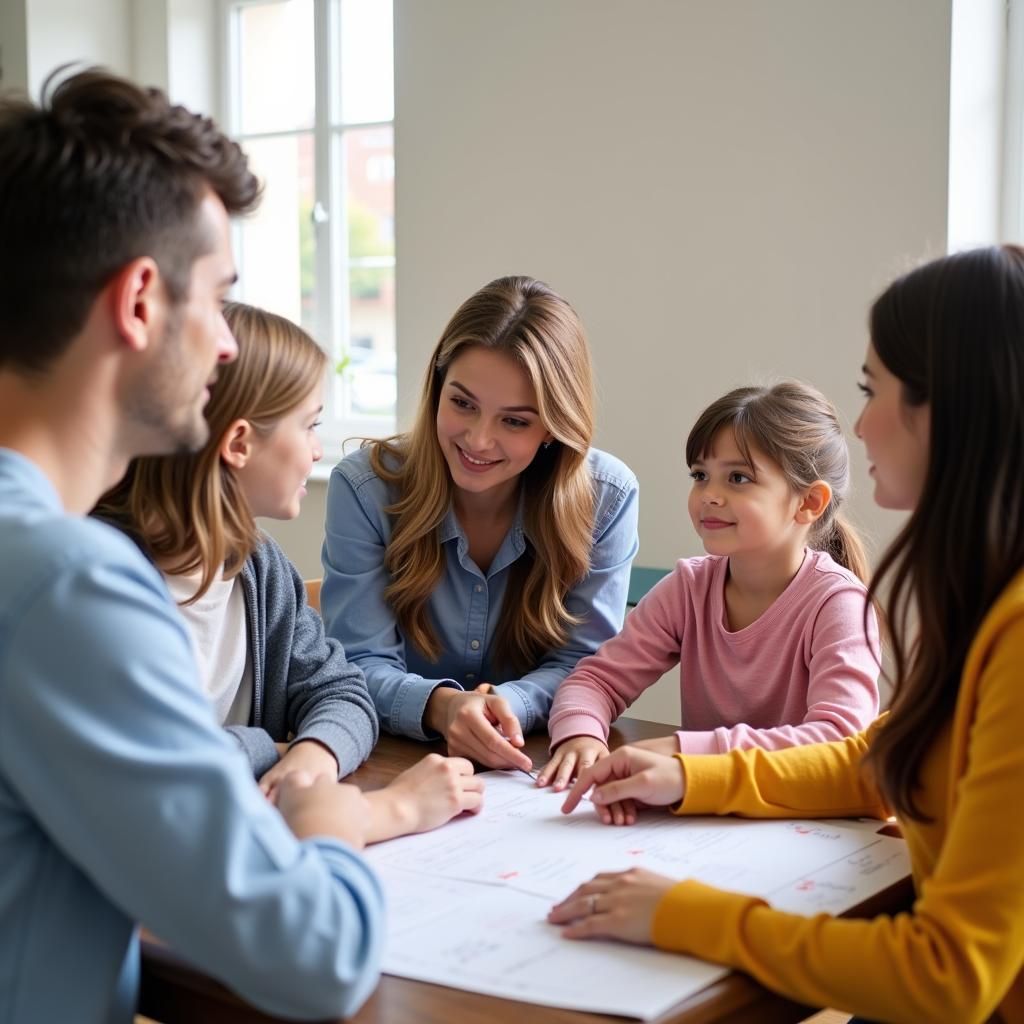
x: 189, y: 511
x: 539, y: 330
x: 952, y: 332
x: 798, y: 428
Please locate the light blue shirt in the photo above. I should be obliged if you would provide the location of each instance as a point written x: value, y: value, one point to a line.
x: 122, y: 801
x: 466, y: 605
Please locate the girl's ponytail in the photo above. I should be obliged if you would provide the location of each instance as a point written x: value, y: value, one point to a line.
x: 841, y: 541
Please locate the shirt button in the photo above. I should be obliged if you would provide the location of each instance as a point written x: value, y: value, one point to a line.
x: 470, y: 676
x: 475, y: 644
x: 478, y: 588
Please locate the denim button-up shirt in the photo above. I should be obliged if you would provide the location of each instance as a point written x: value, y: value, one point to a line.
x: 466, y: 605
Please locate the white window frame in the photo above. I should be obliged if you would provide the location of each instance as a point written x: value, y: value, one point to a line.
x: 1012, y: 192
x: 330, y: 211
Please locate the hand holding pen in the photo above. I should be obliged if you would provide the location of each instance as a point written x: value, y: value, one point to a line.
x: 528, y: 772
x: 478, y: 724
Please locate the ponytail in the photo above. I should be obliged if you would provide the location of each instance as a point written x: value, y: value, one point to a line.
x: 840, y: 540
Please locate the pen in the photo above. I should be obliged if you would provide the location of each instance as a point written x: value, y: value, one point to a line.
x: 489, y: 688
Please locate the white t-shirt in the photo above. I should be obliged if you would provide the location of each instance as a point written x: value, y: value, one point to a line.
x: 220, y: 639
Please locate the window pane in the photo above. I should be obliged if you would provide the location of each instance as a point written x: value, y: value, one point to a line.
x: 367, y: 61
x: 370, y: 176
x: 277, y: 68
x: 277, y: 259
x: 370, y: 363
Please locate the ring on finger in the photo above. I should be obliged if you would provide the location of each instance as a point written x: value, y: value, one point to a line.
x: 592, y: 904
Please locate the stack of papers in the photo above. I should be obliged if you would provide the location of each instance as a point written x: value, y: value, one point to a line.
x: 467, y: 903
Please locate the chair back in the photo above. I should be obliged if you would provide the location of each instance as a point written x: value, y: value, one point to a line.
x: 313, y: 593
x: 641, y: 579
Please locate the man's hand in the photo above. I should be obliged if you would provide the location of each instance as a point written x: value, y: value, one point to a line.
x: 323, y: 807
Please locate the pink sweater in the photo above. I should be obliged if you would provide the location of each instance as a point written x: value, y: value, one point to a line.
x: 804, y: 672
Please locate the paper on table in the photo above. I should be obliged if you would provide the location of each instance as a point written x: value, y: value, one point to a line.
x: 495, y: 940
x: 521, y: 840
x: 479, y: 924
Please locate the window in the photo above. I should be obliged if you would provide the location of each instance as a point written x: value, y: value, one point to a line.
x: 310, y: 96
x: 1013, y: 122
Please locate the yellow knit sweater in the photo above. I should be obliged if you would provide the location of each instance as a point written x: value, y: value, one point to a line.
x: 958, y: 954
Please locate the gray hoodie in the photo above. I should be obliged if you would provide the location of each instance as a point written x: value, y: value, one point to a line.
x: 301, y: 680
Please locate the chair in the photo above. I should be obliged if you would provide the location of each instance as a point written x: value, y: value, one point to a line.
x: 313, y: 593
x: 641, y: 580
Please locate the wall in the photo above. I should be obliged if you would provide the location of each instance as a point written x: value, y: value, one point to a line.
x: 719, y: 186
x: 13, y: 45
x: 97, y: 32
x: 303, y: 537
x: 173, y: 44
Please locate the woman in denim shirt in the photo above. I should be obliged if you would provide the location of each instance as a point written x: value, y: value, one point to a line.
x: 470, y: 563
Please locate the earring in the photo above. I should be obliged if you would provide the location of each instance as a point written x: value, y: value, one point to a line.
x: 547, y: 444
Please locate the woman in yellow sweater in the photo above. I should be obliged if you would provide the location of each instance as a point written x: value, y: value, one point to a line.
x: 943, y: 425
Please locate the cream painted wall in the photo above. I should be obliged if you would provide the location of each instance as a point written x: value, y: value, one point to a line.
x: 97, y: 32
x: 719, y: 188
x: 302, y: 538
x: 169, y: 43
x: 13, y: 45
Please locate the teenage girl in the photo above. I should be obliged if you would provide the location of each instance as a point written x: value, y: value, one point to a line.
x: 285, y: 692
x: 943, y: 425
x: 470, y: 563
x: 768, y: 628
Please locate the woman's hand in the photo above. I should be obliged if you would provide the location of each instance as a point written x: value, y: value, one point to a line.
x: 616, y: 905
x: 430, y: 793
x: 478, y: 725
x: 570, y: 757
x: 627, y: 776
x: 307, y: 756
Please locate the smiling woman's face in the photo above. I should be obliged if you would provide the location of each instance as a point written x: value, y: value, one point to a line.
x: 488, y: 424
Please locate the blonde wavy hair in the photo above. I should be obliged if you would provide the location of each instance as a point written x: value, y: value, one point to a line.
x: 535, y: 327
x: 188, y: 511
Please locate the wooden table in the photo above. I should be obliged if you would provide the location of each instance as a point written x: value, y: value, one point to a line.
x: 172, y: 992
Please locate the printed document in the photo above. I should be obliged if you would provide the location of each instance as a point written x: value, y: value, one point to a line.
x: 467, y: 902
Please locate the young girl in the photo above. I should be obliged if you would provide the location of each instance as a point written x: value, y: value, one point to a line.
x: 943, y: 425
x: 470, y: 563
x: 768, y: 629
x: 265, y: 663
